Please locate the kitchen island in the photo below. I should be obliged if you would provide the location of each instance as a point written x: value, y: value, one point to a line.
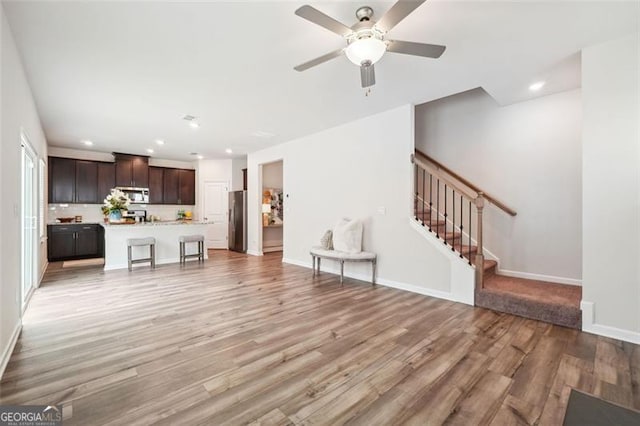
x: 165, y: 233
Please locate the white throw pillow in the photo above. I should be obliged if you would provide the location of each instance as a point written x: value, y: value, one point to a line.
x: 347, y: 236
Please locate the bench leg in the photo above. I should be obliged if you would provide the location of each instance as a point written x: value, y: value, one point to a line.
x: 373, y: 272
x: 313, y: 265
x: 152, y: 251
x: 319, y: 259
x: 129, y: 264
x: 341, y: 272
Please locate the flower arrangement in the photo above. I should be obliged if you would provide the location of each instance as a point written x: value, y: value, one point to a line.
x: 116, y: 201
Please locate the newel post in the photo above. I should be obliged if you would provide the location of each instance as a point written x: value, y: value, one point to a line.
x: 479, y: 202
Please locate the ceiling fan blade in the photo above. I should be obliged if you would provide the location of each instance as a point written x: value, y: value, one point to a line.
x: 314, y: 15
x: 397, y: 13
x: 367, y: 74
x: 319, y: 60
x: 416, y: 49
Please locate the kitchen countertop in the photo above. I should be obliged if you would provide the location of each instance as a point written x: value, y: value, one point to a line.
x: 159, y: 223
x: 74, y: 223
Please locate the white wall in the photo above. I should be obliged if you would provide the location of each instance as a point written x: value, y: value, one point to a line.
x: 528, y: 155
x: 18, y: 112
x: 237, y: 164
x: 611, y: 180
x: 352, y: 171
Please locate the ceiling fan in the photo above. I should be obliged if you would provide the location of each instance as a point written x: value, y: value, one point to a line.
x: 366, y: 42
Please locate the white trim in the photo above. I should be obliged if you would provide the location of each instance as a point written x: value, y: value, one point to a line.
x: 539, y: 277
x: 255, y: 252
x: 366, y: 279
x: 6, y: 354
x: 44, y: 271
x: 590, y: 326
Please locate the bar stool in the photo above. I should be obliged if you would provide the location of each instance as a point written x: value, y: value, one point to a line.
x: 191, y: 239
x: 137, y: 242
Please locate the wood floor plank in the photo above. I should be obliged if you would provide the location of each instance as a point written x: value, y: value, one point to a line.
x: 249, y: 340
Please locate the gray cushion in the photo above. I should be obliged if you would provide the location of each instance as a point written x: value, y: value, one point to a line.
x: 327, y: 240
x: 191, y: 238
x: 140, y: 241
x: 335, y: 254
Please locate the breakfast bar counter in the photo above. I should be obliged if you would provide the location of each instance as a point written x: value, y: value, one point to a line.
x: 166, y: 234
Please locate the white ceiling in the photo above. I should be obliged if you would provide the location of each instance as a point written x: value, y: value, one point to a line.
x: 124, y: 73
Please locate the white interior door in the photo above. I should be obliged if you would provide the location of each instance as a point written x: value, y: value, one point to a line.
x: 29, y: 257
x: 216, y: 200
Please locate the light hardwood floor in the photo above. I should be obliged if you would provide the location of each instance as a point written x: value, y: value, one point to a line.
x: 244, y: 339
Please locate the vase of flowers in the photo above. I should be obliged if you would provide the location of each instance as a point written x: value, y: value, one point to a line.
x: 115, y: 202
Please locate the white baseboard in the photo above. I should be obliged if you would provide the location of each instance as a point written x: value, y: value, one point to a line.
x: 589, y: 325
x: 6, y: 354
x: 366, y: 278
x: 255, y: 253
x: 539, y: 277
x: 44, y: 270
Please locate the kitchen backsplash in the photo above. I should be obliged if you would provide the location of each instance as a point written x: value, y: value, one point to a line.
x: 92, y: 212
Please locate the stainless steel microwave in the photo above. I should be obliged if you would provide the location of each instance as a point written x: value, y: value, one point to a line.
x: 136, y: 195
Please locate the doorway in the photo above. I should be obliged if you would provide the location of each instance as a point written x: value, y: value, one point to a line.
x: 216, y: 199
x: 28, y: 225
x: 272, y: 207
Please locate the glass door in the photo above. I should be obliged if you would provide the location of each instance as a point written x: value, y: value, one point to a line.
x: 29, y: 257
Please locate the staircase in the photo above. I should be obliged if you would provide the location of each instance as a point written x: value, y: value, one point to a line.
x: 451, y: 208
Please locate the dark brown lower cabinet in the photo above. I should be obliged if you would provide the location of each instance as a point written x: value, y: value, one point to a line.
x: 74, y: 241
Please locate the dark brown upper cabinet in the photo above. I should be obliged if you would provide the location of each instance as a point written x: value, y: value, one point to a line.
x: 89, y: 182
x: 86, y: 182
x: 132, y: 170
x: 171, y: 182
x: 62, y: 180
x: 179, y: 186
x: 156, y: 185
x: 79, y: 181
x: 106, y: 179
x: 187, y: 187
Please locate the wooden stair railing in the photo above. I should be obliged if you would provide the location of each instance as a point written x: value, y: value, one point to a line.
x: 441, y: 167
x: 448, y: 208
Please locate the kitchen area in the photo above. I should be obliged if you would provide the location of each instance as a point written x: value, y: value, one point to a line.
x: 163, y: 204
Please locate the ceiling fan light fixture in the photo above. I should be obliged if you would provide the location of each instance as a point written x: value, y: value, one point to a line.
x: 365, y: 49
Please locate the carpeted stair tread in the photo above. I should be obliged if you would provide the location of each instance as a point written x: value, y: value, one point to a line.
x: 542, y: 291
x: 550, y: 302
x: 489, y: 266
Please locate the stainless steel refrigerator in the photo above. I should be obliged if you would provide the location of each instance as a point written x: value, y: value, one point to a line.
x: 238, y: 221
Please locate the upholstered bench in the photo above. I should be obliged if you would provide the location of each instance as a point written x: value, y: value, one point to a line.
x: 318, y: 253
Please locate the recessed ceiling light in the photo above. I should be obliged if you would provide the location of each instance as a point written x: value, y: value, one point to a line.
x: 200, y: 157
x: 228, y: 151
x: 194, y: 124
x: 159, y: 141
x: 87, y: 143
x: 149, y: 150
x: 536, y: 86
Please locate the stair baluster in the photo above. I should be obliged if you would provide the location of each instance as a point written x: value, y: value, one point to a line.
x: 479, y: 253
x: 430, y: 199
x: 437, y: 208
